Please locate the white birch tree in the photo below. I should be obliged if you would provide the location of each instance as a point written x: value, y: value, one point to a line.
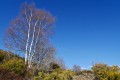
x: 29, y: 30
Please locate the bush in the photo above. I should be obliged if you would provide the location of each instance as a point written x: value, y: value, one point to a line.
x: 2, y: 56
x: 54, y: 66
x: 105, y: 72
x: 5, y: 74
x: 15, y: 65
x: 57, y: 74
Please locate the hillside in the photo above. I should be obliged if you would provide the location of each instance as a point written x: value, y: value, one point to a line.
x: 12, y: 67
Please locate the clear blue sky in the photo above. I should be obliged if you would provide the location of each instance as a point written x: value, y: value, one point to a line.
x: 86, y: 31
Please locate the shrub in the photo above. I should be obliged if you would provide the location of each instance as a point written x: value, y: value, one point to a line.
x: 105, y: 72
x: 57, y: 74
x: 5, y: 74
x: 2, y: 56
x: 15, y: 65
x: 54, y: 66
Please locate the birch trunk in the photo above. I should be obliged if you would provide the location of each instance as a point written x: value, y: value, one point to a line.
x: 29, y: 60
x: 28, y: 36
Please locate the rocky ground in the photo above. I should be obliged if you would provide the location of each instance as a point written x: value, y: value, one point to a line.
x: 84, y: 77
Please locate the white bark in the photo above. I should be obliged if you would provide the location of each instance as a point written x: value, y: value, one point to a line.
x: 37, y: 39
x: 29, y: 60
x: 28, y: 36
x: 36, y: 42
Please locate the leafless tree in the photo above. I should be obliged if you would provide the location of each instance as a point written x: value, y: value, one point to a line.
x: 76, y: 69
x: 29, y: 31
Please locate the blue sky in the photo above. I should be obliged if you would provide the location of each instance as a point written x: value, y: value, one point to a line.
x: 86, y: 31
